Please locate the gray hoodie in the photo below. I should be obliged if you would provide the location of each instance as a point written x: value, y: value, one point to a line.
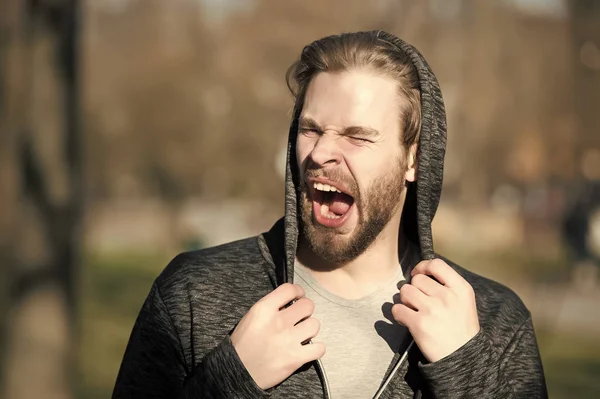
x: 180, y: 345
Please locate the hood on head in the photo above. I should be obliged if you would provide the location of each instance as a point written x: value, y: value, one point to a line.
x: 423, y: 195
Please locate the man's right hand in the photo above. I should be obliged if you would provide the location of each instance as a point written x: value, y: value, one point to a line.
x: 269, y: 337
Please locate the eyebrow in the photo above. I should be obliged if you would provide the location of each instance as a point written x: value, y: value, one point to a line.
x: 306, y: 123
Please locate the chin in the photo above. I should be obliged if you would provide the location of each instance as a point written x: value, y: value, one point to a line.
x: 332, y: 254
x: 333, y: 245
x: 343, y: 239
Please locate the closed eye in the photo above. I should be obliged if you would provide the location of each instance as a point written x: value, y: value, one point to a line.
x: 307, y: 131
x: 360, y: 140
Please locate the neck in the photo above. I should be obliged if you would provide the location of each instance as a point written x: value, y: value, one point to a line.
x: 367, y: 272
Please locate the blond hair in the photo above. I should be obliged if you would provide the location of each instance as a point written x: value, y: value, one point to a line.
x: 374, y: 50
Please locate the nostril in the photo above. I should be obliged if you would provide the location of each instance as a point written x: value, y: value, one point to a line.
x: 321, y: 156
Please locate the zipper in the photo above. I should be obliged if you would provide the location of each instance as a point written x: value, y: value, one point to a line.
x: 394, y: 371
x: 321, y: 370
x: 319, y: 365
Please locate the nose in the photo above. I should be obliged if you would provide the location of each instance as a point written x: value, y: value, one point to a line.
x: 326, y: 151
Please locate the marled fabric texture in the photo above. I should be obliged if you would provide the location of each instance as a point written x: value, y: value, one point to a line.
x: 180, y: 346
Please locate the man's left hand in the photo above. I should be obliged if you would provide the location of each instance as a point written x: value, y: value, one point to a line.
x: 441, y: 315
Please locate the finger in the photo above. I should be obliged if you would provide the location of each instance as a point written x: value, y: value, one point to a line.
x: 307, y: 330
x: 312, y: 351
x: 413, y: 297
x: 283, y: 295
x: 403, y: 314
x: 301, y: 309
x: 427, y: 285
x: 441, y: 271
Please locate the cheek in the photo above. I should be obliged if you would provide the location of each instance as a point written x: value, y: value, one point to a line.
x: 303, y: 148
x: 371, y: 165
x: 367, y: 159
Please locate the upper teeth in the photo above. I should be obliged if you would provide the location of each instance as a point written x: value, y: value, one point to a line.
x: 325, y: 187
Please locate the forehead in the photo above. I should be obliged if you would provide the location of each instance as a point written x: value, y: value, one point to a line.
x: 353, y: 98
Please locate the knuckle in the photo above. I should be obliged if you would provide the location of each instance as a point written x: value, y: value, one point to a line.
x: 466, y: 289
x: 322, y: 349
x: 286, y: 288
x: 404, y: 289
x: 469, y: 289
x: 298, y: 290
x: 299, y: 303
x: 408, y: 293
x: 318, y: 349
x: 445, y: 297
x: 436, y: 264
x: 308, y: 305
x: 397, y: 311
x: 305, y: 306
x: 418, y: 279
x: 316, y: 324
x: 311, y: 327
x: 311, y: 306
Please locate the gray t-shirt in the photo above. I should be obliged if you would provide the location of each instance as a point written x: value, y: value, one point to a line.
x: 361, y: 336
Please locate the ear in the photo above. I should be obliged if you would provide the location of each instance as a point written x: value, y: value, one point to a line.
x: 411, y: 171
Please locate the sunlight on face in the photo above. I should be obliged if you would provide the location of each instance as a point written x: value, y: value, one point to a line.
x: 351, y: 162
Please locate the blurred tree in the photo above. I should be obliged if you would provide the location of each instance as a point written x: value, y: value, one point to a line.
x: 585, y: 31
x: 10, y: 104
x: 43, y: 158
x: 188, y: 108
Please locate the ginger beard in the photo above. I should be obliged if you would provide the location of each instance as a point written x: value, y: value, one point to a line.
x: 375, y: 207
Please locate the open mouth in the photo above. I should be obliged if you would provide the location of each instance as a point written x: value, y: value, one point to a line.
x: 331, y: 206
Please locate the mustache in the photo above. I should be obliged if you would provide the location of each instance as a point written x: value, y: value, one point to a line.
x: 335, y: 175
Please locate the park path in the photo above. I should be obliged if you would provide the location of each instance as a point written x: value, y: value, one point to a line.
x: 562, y: 307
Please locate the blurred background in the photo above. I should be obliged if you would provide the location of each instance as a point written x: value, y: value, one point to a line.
x: 132, y: 130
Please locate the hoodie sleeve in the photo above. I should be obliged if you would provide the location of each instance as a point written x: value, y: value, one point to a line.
x: 476, y: 370
x: 154, y: 365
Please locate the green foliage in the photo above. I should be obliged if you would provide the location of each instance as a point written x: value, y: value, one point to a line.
x: 115, y: 287
x: 571, y: 364
x: 113, y: 291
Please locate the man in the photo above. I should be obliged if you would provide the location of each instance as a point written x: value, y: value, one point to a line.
x: 313, y: 307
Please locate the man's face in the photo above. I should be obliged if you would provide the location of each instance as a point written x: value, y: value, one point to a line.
x: 351, y: 163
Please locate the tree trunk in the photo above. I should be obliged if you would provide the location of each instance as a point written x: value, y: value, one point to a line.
x: 586, y: 47
x: 44, y: 226
x: 11, y: 100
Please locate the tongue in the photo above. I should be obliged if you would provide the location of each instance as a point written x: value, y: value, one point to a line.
x: 340, y: 203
